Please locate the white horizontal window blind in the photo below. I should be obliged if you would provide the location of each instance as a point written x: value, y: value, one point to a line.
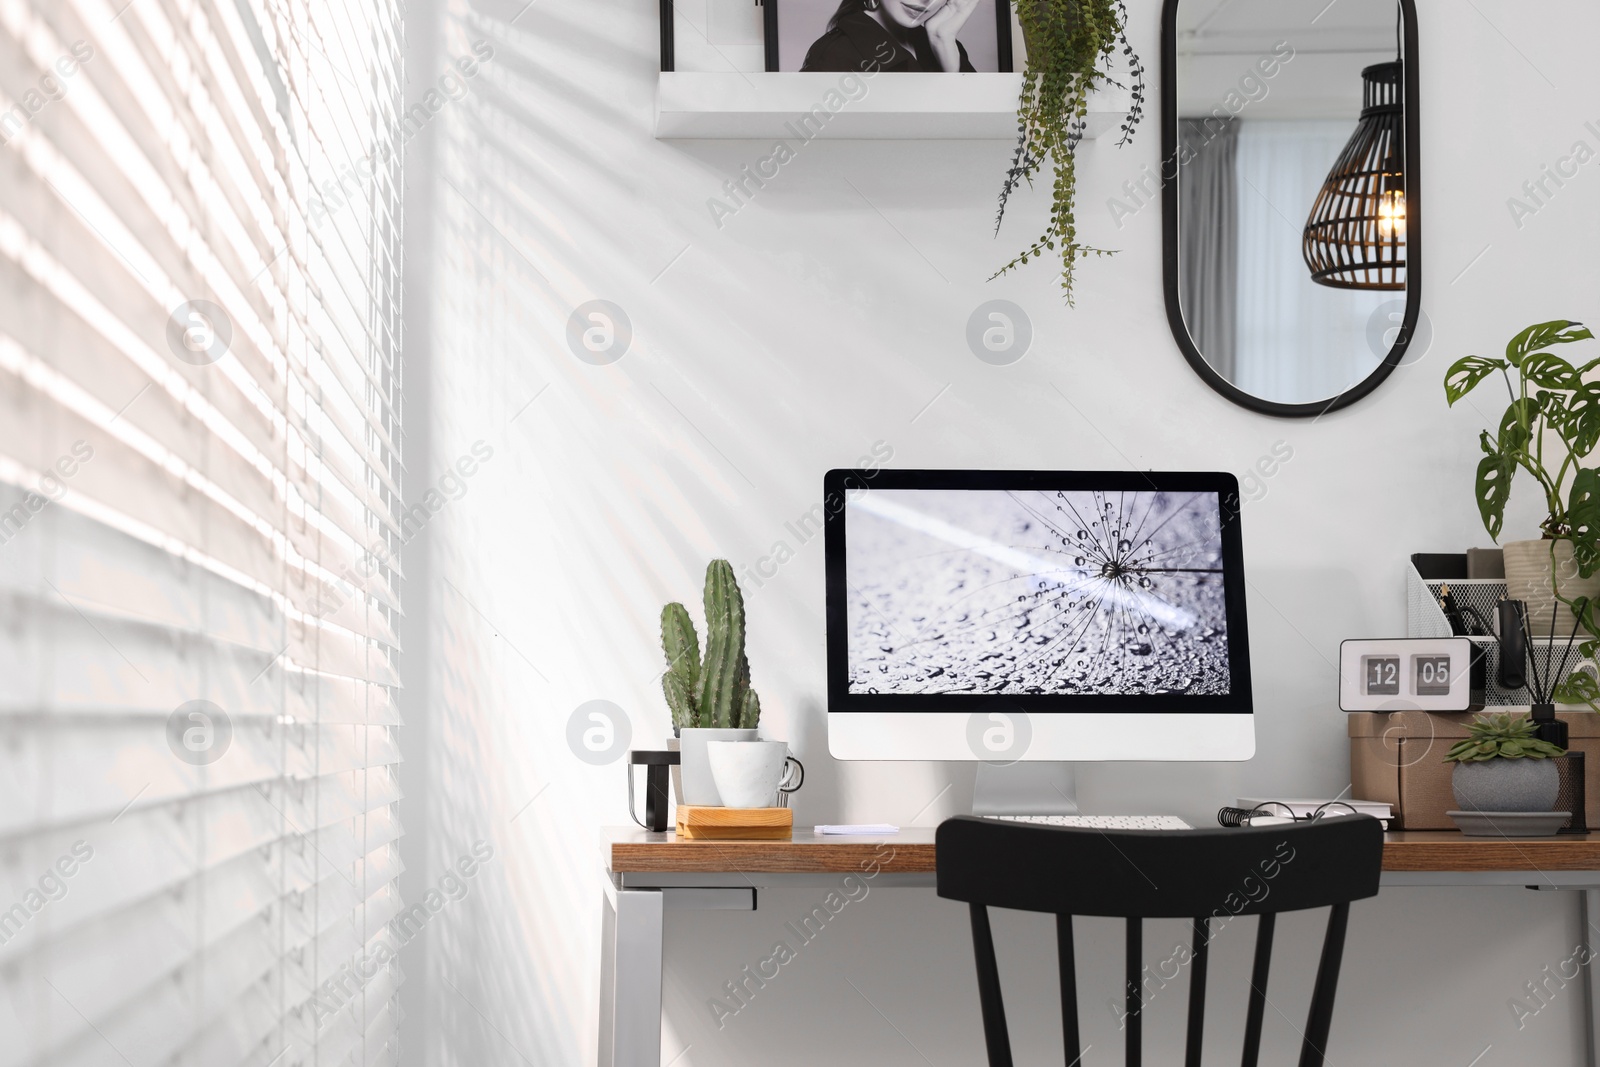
x: 199, y: 520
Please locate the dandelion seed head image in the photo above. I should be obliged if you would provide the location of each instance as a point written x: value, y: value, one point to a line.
x: 985, y: 591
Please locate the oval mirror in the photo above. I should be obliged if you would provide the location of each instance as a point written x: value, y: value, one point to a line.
x: 1289, y: 176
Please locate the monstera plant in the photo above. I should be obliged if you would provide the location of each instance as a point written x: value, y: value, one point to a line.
x: 1550, y: 427
x: 1072, y: 50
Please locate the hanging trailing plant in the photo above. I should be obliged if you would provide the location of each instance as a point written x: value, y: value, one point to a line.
x: 1072, y: 47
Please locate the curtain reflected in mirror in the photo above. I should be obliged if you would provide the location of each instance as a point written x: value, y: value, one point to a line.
x: 1269, y: 95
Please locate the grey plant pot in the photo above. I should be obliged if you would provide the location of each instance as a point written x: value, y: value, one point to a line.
x: 1506, y: 785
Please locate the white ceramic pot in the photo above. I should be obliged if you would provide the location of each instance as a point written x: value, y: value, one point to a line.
x: 750, y: 773
x: 1535, y: 571
x: 1506, y: 785
x: 694, y: 783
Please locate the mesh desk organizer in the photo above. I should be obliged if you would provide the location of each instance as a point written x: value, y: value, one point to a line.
x: 1426, y: 578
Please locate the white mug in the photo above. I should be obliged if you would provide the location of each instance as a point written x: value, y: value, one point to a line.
x: 751, y: 774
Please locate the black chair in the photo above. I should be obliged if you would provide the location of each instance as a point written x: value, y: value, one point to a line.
x: 1138, y: 874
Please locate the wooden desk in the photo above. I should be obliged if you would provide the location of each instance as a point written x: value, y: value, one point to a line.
x: 636, y: 855
x: 649, y: 874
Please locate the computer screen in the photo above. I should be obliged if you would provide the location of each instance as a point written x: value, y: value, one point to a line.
x: 1036, y: 591
x: 1052, y: 592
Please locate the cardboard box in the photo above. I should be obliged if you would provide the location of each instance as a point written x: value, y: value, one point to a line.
x: 1398, y: 757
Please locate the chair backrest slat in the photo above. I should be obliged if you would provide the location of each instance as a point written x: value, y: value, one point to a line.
x: 994, y: 1008
x: 1320, y: 1019
x: 1155, y: 874
x: 1197, y: 991
x: 1140, y: 874
x: 1133, y: 1007
x: 1258, y: 991
x: 1067, y: 958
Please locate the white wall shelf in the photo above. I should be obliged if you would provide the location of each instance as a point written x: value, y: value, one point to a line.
x: 899, y: 106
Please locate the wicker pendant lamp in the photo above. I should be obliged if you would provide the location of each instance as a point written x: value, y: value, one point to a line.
x: 1356, y: 235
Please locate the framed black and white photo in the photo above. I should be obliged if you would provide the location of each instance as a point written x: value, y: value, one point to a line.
x: 966, y: 36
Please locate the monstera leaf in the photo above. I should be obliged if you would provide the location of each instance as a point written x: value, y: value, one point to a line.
x: 1551, y: 371
x: 1494, y: 485
x: 1578, y: 420
x: 1465, y: 373
x: 1583, y: 520
x: 1579, y: 687
x: 1516, y: 427
x: 1559, y: 332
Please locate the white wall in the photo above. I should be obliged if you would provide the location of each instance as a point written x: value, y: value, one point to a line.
x: 823, y: 317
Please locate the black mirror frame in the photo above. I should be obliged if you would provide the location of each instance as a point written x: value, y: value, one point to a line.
x: 1169, y: 230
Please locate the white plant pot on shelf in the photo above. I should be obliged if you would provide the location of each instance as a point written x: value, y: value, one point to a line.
x: 1535, y: 572
x: 691, y: 779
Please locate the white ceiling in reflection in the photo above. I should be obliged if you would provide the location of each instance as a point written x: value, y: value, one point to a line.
x: 1220, y: 42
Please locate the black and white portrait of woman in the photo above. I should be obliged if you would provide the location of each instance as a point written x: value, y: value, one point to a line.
x: 891, y: 35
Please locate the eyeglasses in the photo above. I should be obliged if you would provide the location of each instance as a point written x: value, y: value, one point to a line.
x: 1263, y: 815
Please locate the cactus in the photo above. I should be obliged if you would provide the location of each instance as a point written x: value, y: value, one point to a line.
x: 680, y: 700
x: 724, y: 672
x: 713, y: 691
x: 750, y: 713
x: 682, y: 676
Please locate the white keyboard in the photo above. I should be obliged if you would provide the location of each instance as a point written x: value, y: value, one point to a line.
x: 1101, y: 822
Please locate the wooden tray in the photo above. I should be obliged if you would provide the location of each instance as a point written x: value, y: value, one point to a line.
x: 743, y: 824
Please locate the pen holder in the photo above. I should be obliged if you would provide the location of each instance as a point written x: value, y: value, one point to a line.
x: 656, y: 766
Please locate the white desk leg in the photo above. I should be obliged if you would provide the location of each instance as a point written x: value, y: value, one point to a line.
x: 630, y: 979
x: 1590, y: 901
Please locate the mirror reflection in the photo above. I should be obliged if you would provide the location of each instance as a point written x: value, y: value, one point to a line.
x: 1291, y: 192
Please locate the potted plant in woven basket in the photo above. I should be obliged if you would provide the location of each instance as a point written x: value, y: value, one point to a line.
x: 1549, y: 429
x: 709, y: 695
x: 1502, y: 767
x: 1072, y: 47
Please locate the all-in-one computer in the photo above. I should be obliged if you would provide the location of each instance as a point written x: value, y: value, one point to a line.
x: 1027, y: 618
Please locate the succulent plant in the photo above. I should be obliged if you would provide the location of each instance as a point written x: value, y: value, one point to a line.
x: 1501, y: 737
x: 713, y: 691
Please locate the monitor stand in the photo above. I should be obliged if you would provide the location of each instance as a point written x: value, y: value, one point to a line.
x: 1025, y: 789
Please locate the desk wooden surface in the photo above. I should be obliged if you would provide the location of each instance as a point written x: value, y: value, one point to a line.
x: 631, y: 850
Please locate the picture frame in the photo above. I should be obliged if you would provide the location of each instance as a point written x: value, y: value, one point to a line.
x: 785, y: 42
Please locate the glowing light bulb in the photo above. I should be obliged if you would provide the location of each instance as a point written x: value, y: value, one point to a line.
x: 1392, y: 214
